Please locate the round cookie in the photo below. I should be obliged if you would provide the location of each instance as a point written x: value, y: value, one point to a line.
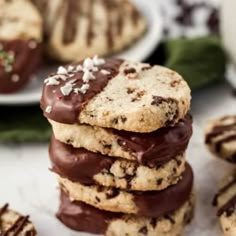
x: 85, y: 167
x: 150, y: 204
x: 225, y: 201
x: 152, y: 149
x: 220, y: 137
x: 82, y: 217
x: 117, y: 94
x: 12, y: 223
x: 79, y: 29
x: 20, y: 48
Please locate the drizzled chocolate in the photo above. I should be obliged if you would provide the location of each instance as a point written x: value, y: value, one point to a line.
x: 159, y: 203
x: 77, y: 164
x: 66, y: 109
x: 18, y: 61
x: 160, y: 146
x: 83, y: 217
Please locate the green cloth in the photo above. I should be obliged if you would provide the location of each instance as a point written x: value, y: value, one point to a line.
x: 200, y: 61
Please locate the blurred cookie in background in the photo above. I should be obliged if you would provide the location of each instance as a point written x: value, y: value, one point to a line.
x: 79, y: 29
x: 20, y: 43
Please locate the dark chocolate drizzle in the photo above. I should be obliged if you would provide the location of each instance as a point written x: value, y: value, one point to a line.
x: 82, y: 217
x: 66, y: 109
x: 26, y: 61
x: 158, y: 147
x: 219, y: 144
x: 3, y: 209
x: 77, y: 164
x: 228, y: 207
x: 160, y: 203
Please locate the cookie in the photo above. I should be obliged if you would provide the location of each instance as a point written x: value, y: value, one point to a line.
x: 20, y: 47
x: 220, y: 137
x: 151, y: 149
x: 225, y: 201
x: 82, y: 217
x: 118, y: 94
x: 79, y: 29
x: 149, y: 203
x: 14, y: 224
x: 85, y: 167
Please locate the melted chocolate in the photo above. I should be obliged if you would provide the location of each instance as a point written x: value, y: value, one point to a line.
x: 66, y: 109
x: 25, y: 62
x: 77, y: 164
x: 82, y: 217
x: 160, y: 146
x: 160, y: 203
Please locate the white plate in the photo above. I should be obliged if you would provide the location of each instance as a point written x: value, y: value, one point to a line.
x: 138, y: 52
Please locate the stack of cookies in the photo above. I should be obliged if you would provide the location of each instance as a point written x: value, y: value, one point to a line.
x: 120, y: 132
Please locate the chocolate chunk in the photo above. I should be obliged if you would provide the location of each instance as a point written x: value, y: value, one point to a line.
x: 143, y: 230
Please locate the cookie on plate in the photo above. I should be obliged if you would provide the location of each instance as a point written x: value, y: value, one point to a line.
x: 148, y: 203
x: 225, y: 201
x: 220, y: 137
x: 12, y: 223
x: 82, y: 217
x: 20, y: 48
x: 85, y: 167
x: 79, y: 29
x: 118, y: 94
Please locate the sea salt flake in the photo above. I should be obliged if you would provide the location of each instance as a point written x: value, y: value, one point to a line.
x: 94, y: 69
x: 105, y: 72
x: 87, y: 76
x: 79, y: 68
x: 52, y: 81
x: 83, y: 89
x: 15, y: 78
x: 88, y: 64
x: 66, y: 89
x: 48, y: 109
x: 98, y: 61
x: 70, y: 68
x: 61, y: 70
x: 32, y: 44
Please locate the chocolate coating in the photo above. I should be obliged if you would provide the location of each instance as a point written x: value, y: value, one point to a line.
x: 159, y: 203
x: 66, y: 109
x: 18, y: 61
x: 77, y: 164
x: 160, y: 146
x: 83, y: 217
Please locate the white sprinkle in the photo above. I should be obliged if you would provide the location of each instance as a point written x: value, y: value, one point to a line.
x: 15, y: 78
x: 52, y: 81
x: 48, y: 109
x: 66, y: 89
x: 105, y: 72
x: 61, y: 70
x: 88, y: 64
x: 32, y: 45
x: 98, y: 61
x: 87, y: 76
x: 79, y: 68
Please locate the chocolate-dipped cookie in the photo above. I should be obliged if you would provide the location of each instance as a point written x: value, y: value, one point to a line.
x: 79, y: 29
x: 82, y: 217
x: 149, y: 203
x: 14, y: 224
x: 220, y: 137
x: 85, y: 167
x: 118, y: 94
x: 20, y: 47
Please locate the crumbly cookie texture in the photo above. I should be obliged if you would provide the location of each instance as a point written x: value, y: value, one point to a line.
x: 78, y: 29
x: 19, y: 20
x: 220, y: 137
x: 129, y: 175
x: 12, y: 223
x: 225, y: 201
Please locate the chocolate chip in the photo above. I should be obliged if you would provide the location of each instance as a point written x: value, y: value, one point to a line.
x: 129, y: 71
x: 153, y: 222
x: 123, y: 119
x: 159, y: 181
x: 168, y: 217
x: 143, y: 230
x: 97, y: 199
x: 146, y: 68
x: 130, y: 90
x: 112, y: 193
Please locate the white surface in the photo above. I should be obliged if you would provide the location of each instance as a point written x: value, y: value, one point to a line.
x: 27, y: 184
x: 138, y: 52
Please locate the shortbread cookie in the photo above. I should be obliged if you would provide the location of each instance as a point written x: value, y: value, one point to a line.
x: 225, y: 201
x: 82, y: 217
x: 150, y: 203
x: 85, y: 167
x: 221, y: 138
x: 151, y: 149
x: 14, y: 224
x: 117, y: 94
x: 79, y: 29
x: 20, y: 48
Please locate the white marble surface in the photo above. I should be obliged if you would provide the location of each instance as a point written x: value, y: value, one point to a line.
x: 27, y: 184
